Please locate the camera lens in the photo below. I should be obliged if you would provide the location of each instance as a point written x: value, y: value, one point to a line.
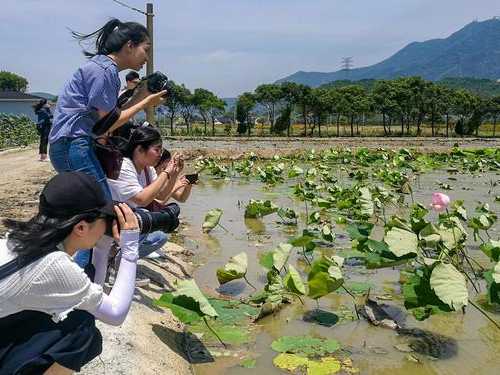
x: 166, y: 220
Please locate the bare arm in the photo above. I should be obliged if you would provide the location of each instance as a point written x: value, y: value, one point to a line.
x: 180, y: 192
x: 150, y: 192
x: 125, y: 115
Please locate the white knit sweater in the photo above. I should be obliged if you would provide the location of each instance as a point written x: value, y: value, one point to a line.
x: 54, y: 284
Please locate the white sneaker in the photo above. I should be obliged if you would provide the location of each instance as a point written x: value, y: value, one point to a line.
x: 154, y: 255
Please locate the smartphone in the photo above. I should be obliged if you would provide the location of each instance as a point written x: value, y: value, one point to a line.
x: 192, y: 178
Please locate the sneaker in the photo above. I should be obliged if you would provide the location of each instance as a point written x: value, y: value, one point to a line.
x: 154, y: 255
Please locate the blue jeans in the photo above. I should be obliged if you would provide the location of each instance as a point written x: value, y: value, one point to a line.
x: 78, y: 154
x: 151, y: 242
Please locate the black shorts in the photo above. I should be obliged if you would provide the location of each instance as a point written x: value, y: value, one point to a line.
x: 30, y: 342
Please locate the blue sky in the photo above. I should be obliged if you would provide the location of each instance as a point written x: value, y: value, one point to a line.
x: 230, y: 46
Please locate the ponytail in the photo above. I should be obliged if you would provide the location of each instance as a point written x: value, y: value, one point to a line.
x: 113, y: 36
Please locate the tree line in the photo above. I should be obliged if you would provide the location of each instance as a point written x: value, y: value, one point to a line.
x: 401, y: 106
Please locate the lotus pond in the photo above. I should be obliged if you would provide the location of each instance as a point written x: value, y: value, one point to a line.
x: 335, y: 262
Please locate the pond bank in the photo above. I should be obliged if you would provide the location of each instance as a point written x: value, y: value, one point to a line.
x: 234, y: 147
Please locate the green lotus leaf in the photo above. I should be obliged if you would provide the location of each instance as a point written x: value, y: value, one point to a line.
x: 266, y: 259
x: 449, y: 285
x: 260, y: 208
x: 327, y: 234
x: 235, y: 269
x: 212, y: 219
x: 187, y: 302
x: 307, y: 346
x: 401, y: 242
x: 281, y: 255
x: 366, y: 201
x: 491, y: 249
x: 293, y: 282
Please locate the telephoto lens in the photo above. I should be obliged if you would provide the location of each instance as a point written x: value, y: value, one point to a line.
x: 166, y: 220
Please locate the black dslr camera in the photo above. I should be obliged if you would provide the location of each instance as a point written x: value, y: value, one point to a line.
x: 157, y: 82
x: 166, y: 220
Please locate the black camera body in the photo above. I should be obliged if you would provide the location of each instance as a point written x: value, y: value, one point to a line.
x: 157, y: 82
x: 166, y: 220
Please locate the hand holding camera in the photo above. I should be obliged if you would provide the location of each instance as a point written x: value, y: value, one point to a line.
x: 156, y: 99
x: 175, y: 165
x: 126, y: 220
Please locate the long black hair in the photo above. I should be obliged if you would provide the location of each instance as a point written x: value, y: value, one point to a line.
x: 145, y: 136
x: 113, y: 36
x: 41, y: 234
x: 38, y: 106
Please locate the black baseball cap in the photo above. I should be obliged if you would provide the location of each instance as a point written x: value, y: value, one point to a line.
x: 73, y: 193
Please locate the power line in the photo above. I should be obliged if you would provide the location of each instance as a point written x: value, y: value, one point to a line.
x: 130, y: 7
x: 347, y: 63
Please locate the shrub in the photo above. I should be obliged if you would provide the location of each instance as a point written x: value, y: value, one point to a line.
x: 16, y: 131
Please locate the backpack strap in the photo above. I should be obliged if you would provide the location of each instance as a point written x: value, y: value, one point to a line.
x: 17, y: 264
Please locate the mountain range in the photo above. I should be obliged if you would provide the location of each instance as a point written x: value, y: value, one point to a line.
x: 473, y: 51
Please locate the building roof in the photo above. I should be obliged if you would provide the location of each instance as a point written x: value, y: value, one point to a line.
x: 17, y: 96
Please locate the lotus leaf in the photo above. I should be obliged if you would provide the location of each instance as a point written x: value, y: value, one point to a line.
x: 449, y: 285
x: 401, y: 242
x: 212, y: 219
x: 235, y: 269
x: 293, y: 282
x: 305, y: 345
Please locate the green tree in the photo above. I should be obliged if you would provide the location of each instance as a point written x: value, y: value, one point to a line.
x: 384, y: 96
x: 203, y: 100
x: 244, y: 105
x: 290, y: 94
x: 321, y: 105
x: 465, y: 105
x: 303, y: 99
x: 217, y: 108
x: 269, y: 95
x: 495, y: 112
x: 12, y: 82
x: 187, y: 106
x: 352, y: 102
x: 173, y: 103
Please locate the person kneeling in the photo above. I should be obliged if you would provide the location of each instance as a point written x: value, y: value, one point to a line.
x: 140, y: 186
x: 48, y: 304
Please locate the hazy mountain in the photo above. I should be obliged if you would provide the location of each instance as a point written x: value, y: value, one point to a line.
x: 473, y: 51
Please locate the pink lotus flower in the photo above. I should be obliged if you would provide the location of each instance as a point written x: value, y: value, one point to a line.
x: 440, y: 202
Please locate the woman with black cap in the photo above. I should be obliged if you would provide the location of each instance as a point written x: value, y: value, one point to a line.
x: 48, y: 304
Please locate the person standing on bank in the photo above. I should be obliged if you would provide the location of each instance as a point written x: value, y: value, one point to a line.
x: 48, y: 304
x: 92, y: 92
x: 43, y: 125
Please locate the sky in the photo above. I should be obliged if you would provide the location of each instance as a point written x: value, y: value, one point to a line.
x: 229, y: 46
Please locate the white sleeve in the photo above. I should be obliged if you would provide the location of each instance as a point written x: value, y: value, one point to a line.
x: 61, y: 287
x: 152, y: 173
x: 114, y: 307
x: 100, y: 257
x: 127, y: 185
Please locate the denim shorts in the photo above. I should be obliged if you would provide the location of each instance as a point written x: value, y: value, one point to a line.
x: 78, y: 154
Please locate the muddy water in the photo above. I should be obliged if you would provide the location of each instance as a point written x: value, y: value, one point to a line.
x: 371, y: 348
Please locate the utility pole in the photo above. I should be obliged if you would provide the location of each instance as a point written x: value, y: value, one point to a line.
x: 150, y: 114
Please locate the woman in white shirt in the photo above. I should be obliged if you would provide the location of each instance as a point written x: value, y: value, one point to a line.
x: 48, y: 304
x: 139, y: 185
